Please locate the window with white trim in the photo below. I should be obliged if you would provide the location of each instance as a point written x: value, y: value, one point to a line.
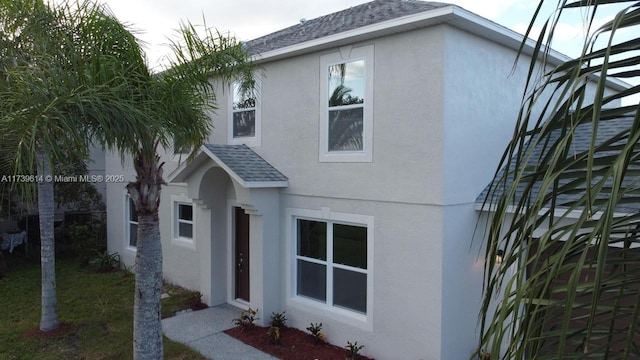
x: 347, y: 112
x: 183, y: 221
x: 245, y: 117
x: 131, y: 230
x: 332, y: 263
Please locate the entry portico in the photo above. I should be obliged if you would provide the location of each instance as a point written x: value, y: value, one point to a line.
x: 236, y: 194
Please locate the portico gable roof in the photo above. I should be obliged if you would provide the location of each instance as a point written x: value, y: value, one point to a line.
x: 242, y: 164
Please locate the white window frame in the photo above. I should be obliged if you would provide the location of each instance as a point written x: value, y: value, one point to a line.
x: 251, y: 141
x: 345, y: 55
x: 128, y: 208
x: 352, y: 317
x: 176, y: 201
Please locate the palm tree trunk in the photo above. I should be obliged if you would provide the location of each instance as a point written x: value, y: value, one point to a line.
x: 147, y: 327
x: 145, y: 193
x: 49, y: 319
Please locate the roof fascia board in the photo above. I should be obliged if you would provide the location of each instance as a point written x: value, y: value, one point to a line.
x: 266, y: 184
x: 561, y: 213
x: 452, y: 15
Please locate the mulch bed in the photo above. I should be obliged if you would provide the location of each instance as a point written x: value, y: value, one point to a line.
x: 294, y: 344
x: 63, y: 330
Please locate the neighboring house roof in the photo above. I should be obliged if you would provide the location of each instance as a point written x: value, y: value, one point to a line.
x: 352, y: 18
x: 581, y: 143
x: 242, y: 164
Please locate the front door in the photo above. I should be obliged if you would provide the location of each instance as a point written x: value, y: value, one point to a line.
x: 241, y: 221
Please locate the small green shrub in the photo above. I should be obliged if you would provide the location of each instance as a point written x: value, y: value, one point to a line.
x: 247, y: 318
x: 278, y: 319
x: 316, y: 330
x: 273, y: 334
x: 105, y: 262
x: 353, y: 349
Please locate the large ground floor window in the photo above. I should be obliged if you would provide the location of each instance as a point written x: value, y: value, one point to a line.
x: 332, y: 262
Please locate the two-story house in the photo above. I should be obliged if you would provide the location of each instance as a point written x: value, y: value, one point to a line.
x: 344, y: 192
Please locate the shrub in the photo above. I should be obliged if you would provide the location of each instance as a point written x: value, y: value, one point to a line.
x: 105, y: 262
x: 278, y: 319
x: 274, y: 334
x: 194, y: 301
x: 247, y: 318
x: 316, y: 330
x: 353, y: 349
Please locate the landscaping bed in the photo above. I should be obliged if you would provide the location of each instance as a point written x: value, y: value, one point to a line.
x: 294, y: 344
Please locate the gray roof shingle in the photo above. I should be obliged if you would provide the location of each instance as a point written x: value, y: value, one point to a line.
x: 581, y: 143
x: 245, y: 163
x: 341, y: 21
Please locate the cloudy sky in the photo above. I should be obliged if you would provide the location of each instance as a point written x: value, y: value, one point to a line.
x: 155, y: 20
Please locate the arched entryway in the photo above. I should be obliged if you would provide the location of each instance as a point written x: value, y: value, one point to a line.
x: 238, y: 197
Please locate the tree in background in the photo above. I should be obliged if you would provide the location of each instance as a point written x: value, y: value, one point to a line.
x: 572, y: 290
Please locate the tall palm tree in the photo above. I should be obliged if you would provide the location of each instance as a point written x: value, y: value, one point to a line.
x: 95, y: 85
x: 566, y: 217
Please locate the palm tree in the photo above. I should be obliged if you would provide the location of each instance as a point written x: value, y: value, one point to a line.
x: 566, y: 218
x: 92, y: 84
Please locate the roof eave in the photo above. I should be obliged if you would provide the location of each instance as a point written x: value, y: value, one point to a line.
x: 452, y: 15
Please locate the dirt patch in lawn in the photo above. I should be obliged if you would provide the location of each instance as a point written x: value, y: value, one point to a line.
x: 63, y: 330
x: 294, y: 344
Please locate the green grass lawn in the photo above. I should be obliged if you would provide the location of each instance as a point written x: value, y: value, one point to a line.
x: 98, y: 305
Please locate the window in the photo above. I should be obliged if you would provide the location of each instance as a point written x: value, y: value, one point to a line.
x: 131, y: 224
x: 184, y: 221
x: 332, y: 263
x: 245, y: 124
x: 346, y: 106
x: 346, y: 95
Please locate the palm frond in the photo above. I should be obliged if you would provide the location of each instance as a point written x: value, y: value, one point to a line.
x: 564, y: 204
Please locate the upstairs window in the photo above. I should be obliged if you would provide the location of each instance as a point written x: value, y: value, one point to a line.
x: 244, y: 113
x: 245, y: 122
x: 346, y: 95
x: 346, y: 106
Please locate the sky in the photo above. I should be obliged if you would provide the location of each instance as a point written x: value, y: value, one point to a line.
x: 155, y: 20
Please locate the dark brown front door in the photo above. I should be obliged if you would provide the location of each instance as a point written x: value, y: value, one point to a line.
x: 241, y: 253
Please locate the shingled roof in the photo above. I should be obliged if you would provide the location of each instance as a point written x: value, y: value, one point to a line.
x: 581, y: 143
x: 355, y: 17
x: 243, y: 162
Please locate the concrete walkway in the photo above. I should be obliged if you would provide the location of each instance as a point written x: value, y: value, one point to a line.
x: 203, y: 331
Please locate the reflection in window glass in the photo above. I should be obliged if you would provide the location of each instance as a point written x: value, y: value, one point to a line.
x: 346, y: 106
x: 244, y: 113
x: 346, y: 83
